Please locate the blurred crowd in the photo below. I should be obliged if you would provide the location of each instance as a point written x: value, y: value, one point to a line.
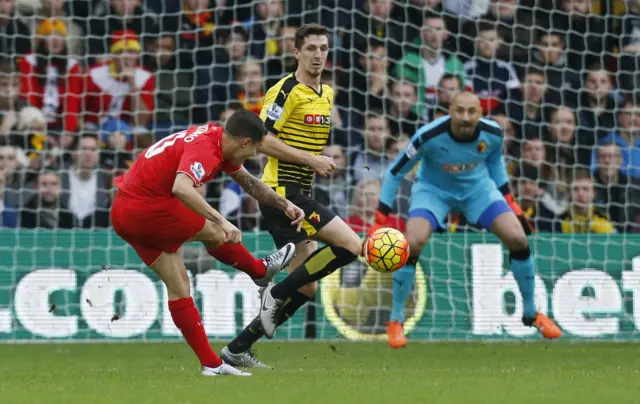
x: 85, y: 85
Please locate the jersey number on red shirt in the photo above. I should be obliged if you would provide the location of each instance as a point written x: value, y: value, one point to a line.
x: 162, y: 144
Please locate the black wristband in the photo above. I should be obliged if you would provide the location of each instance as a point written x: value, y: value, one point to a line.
x: 384, y: 209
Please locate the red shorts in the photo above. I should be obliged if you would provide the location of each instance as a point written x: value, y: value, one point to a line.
x: 154, y: 226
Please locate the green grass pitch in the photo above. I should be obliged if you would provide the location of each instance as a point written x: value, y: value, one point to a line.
x: 326, y: 373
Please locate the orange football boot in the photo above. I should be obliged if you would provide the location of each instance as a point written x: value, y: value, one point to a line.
x: 395, y: 335
x: 547, y: 327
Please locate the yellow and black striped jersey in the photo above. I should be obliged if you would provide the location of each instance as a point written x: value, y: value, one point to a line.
x: 300, y: 117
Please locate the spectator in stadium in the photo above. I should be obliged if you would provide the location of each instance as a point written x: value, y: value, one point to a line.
x: 401, y: 117
x: 363, y: 208
x: 527, y: 106
x: 51, y: 79
x: 15, y: 34
x: 510, y: 143
x: 491, y: 79
x: 117, y: 140
x: 366, y: 85
x: 284, y: 61
x: 536, y: 202
x: 122, y: 89
x: 112, y: 17
x: 629, y: 43
x: 55, y: 9
x: 570, y: 145
x: 264, y: 31
x: 596, y: 105
x: 10, y: 101
x: 86, y: 187
x: 8, y: 212
x: 563, y: 84
x: 14, y: 186
x: 216, y: 84
x: 370, y: 161
x: 376, y: 22
x: 196, y: 33
x: 47, y: 208
x: 627, y: 137
x: 448, y: 87
x: 513, y: 20
x: 250, y: 85
x: 426, y: 67
x: 534, y: 153
x: 332, y: 191
x: 173, y: 98
x: 585, y: 33
x: 616, y: 194
x: 583, y: 215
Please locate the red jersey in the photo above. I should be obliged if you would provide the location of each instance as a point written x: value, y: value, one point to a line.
x: 108, y: 96
x: 59, y: 99
x: 196, y: 152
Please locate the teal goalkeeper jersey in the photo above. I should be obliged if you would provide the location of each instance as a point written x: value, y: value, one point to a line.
x: 453, y: 166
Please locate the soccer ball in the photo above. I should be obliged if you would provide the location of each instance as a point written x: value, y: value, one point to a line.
x: 386, y: 250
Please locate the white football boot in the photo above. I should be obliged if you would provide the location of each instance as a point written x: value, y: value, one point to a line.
x: 269, y: 308
x: 245, y: 359
x: 276, y: 262
x: 223, y: 370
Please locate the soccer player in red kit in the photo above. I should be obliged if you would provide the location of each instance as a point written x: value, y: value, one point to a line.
x: 158, y: 208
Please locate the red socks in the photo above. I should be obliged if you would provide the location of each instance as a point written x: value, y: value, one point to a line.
x: 187, y: 319
x: 237, y: 256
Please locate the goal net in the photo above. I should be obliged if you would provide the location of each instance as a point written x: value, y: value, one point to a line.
x: 87, y: 85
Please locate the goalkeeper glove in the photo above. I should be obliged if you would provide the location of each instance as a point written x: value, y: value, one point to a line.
x: 518, y: 212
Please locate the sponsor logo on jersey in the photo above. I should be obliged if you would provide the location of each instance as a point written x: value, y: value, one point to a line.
x: 314, y: 217
x: 311, y: 119
x: 274, y: 112
x: 459, y: 168
x: 198, y: 170
x: 482, y: 146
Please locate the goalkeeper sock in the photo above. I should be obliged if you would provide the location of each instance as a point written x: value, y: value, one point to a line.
x: 522, y: 269
x: 402, y: 284
x: 253, y: 332
x: 186, y: 317
x: 237, y: 256
x: 319, y: 264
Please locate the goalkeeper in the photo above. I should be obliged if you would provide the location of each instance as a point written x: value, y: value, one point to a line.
x: 462, y: 168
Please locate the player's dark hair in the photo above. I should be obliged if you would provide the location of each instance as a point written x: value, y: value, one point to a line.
x: 533, y: 70
x: 245, y: 124
x: 543, y: 32
x: 432, y: 14
x: 307, y: 30
x: 485, y: 25
x: 582, y: 174
x: 450, y: 76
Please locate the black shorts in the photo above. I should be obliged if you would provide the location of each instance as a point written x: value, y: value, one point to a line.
x: 279, y: 224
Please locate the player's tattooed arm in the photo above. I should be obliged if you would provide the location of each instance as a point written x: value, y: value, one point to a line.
x: 259, y: 190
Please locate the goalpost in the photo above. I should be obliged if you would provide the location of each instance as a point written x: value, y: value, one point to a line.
x: 85, y: 284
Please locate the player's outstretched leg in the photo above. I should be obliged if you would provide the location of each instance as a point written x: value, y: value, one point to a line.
x: 184, y: 313
x: 261, y: 271
x: 239, y: 351
x: 419, y: 229
x: 343, y: 247
x: 508, y: 228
